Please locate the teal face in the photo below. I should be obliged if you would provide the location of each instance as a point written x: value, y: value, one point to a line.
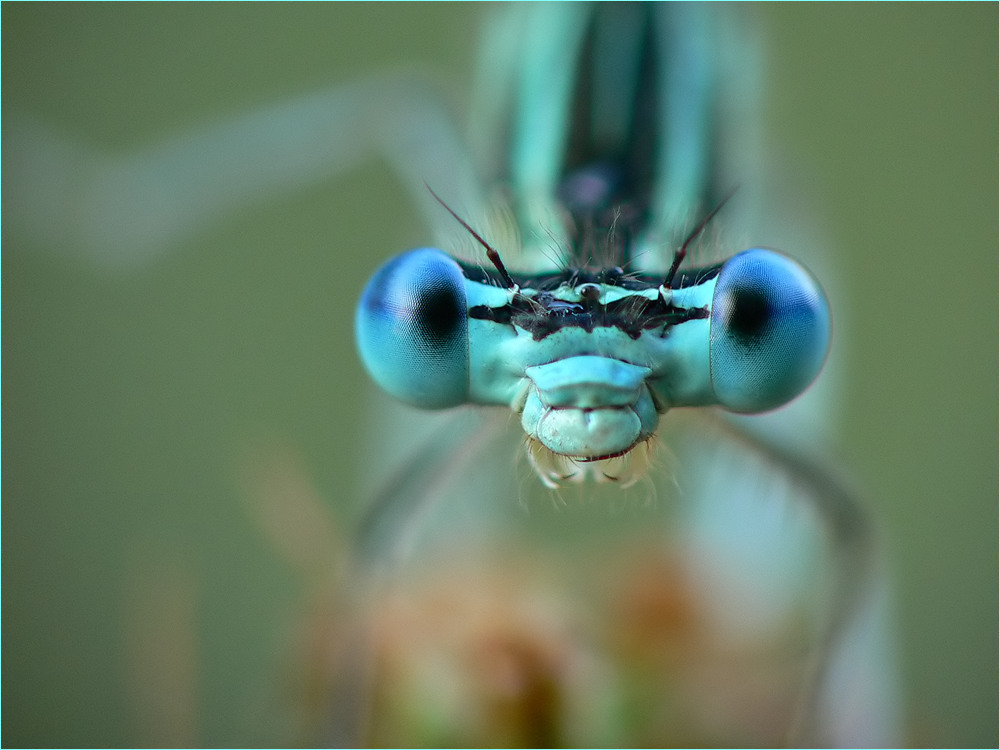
x: 591, y: 360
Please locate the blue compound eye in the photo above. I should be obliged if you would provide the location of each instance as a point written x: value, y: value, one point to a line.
x: 412, y: 329
x: 770, y: 331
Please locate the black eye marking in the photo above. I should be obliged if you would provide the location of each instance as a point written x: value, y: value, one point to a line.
x: 439, y: 312
x: 749, y: 313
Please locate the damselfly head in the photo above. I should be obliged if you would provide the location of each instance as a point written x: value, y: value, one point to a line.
x: 590, y: 361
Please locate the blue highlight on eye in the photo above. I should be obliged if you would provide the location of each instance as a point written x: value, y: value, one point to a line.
x: 770, y: 331
x: 412, y: 329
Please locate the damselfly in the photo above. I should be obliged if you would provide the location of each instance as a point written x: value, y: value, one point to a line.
x: 686, y: 608
x: 612, y: 136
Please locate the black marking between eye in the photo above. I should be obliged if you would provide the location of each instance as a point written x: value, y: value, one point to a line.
x: 616, y: 277
x: 543, y: 315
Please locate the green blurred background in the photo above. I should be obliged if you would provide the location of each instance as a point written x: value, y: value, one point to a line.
x: 137, y: 405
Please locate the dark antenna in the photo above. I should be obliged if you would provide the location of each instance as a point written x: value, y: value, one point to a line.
x: 492, y: 254
x: 682, y: 253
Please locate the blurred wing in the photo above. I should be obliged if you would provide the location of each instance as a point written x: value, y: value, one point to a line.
x: 124, y: 212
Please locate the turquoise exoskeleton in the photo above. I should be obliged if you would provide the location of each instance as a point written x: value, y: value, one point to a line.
x: 609, y: 139
x: 582, y: 295
x: 612, y: 163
